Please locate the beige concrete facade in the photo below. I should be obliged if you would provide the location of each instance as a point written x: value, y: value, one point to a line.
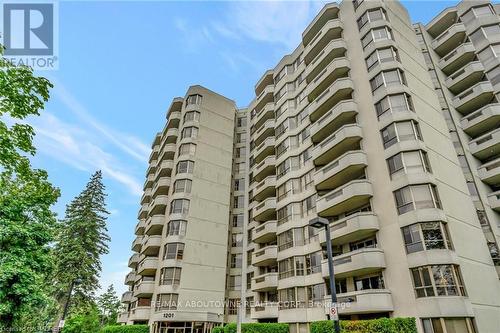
x: 390, y: 130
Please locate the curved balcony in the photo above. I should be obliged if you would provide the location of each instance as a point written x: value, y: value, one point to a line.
x: 465, y: 77
x: 338, y: 90
x: 265, y: 188
x: 146, y: 196
x: 364, y: 301
x: 264, y: 114
x: 140, y: 313
x: 474, y: 98
x: 266, y: 96
x: 359, y: 262
x: 154, y: 224
x: 144, y: 289
x: 137, y: 243
x: 444, y: 306
x: 342, y: 113
x: 344, y: 139
x: 122, y: 317
x: 143, y: 211
x: 265, y: 282
x: 151, y: 245
x: 486, y: 146
x: 267, y: 311
x: 490, y: 172
x: 335, y: 49
x: 161, y: 186
x: 171, y: 135
x: 265, y: 168
x: 265, y: 210
x: 442, y: 21
x: 347, y: 167
x: 133, y: 261
x: 139, y: 228
x: 265, y: 256
x: 350, y: 196
x: 332, y: 29
x: 168, y: 151
x: 449, y: 39
x: 265, y: 149
x: 154, y: 152
x: 481, y: 121
x: 148, y: 182
x: 338, y: 68
x: 130, y: 278
x: 494, y: 200
x: 266, y: 80
x: 265, y: 232
x: 328, y: 12
x: 173, y: 119
x: 266, y: 130
x: 127, y: 297
x: 457, y: 58
x: 164, y: 168
x: 352, y: 228
x: 147, y: 266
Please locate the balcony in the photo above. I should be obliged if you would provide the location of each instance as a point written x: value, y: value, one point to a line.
x: 122, y: 317
x: 338, y: 68
x: 154, y: 224
x: 174, y: 118
x: 266, y: 130
x: 494, y: 200
x: 342, y: 113
x: 161, y: 186
x: 338, y: 91
x: 474, y: 98
x: 442, y: 21
x: 265, y: 188
x: 265, y: 168
x: 347, y: 167
x: 481, y: 121
x: 143, y: 211
x: 140, y: 313
x: 130, y: 278
x: 147, y: 266
x: 146, y: 196
x: 151, y: 245
x: 449, y: 39
x: 266, y: 96
x: 265, y: 233
x: 144, y: 289
x: 346, y: 198
x: 265, y: 210
x: 465, y: 77
x: 266, y: 113
x: 490, y: 172
x: 265, y: 149
x: 344, y: 139
x: 137, y: 243
x: 264, y: 312
x: 171, y: 135
x: 127, y: 297
x: 265, y: 282
x: 331, y: 30
x: 164, y: 168
x: 327, y: 13
x: 486, y: 146
x: 352, y: 228
x: 266, y: 80
x: 134, y: 259
x: 335, y: 49
x: 364, y: 301
x: 359, y: 262
x: 265, y: 256
x: 168, y: 152
x: 457, y: 58
x: 139, y: 228
x: 154, y: 151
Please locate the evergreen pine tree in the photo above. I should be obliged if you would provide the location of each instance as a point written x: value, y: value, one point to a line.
x: 108, y: 304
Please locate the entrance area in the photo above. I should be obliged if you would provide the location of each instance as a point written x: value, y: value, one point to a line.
x: 183, y: 327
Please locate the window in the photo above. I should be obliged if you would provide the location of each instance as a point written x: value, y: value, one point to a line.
x: 182, y: 185
x: 239, y: 201
x: 376, y: 35
x: 190, y: 132
x: 192, y: 116
x: 236, y: 260
x: 380, y: 56
x: 416, y: 197
x: 369, y: 282
x: 185, y: 167
x: 240, y: 152
x: 316, y: 295
x: 239, y: 184
x: 401, y: 131
x: 166, y: 302
x: 179, y: 206
x: 187, y: 149
x: 366, y: 243
x: 408, y: 162
x: 173, y: 251
x: 241, y: 122
x: 371, y: 15
x: 388, y: 78
x: 426, y: 236
x: 392, y: 104
x: 453, y: 325
x: 236, y: 240
x: 241, y: 137
x: 194, y: 99
x: 176, y: 228
x: 170, y: 276
x: 238, y: 221
x: 438, y: 280
x: 300, y: 265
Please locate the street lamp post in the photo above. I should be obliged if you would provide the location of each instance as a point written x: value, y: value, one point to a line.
x: 321, y: 222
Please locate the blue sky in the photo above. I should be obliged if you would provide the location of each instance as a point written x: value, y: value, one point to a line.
x: 120, y: 65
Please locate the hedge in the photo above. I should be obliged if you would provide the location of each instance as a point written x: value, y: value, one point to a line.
x: 382, y: 325
x: 125, y: 329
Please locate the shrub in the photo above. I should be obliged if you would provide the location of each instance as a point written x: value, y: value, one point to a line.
x: 257, y: 328
x: 125, y: 329
x: 218, y: 329
x: 382, y: 325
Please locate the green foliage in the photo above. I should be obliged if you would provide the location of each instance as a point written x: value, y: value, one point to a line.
x: 218, y: 329
x: 82, y: 323
x: 125, y: 329
x: 81, y: 240
x: 257, y: 328
x: 108, y: 304
x: 382, y: 325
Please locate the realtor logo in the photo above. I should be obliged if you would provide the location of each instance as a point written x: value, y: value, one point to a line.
x: 29, y: 34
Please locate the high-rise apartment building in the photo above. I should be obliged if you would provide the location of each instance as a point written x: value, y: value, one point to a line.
x: 389, y: 130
